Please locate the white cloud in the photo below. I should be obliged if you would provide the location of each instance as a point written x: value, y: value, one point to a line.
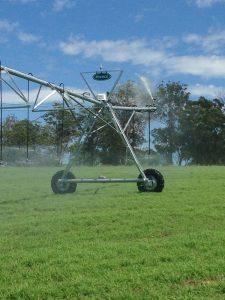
x: 211, y: 91
x: 28, y: 37
x: 213, y: 42
x: 207, y: 3
x: 134, y: 51
x: 7, y: 29
x: 7, y: 26
x: 10, y: 97
x: 138, y: 52
x: 10, y: 30
x: 59, y: 5
x: 205, y: 66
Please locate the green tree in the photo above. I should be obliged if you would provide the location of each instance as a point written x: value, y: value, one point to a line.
x: 203, y: 132
x: 15, y: 132
x: 61, y: 128
x: 172, y: 99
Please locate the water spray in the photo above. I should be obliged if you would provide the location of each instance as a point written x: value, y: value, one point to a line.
x: 146, y: 84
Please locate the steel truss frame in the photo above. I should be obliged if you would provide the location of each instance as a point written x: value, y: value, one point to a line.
x: 13, y: 86
x: 72, y: 100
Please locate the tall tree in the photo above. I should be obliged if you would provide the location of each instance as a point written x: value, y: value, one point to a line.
x: 172, y: 98
x: 15, y: 132
x: 203, y: 132
x: 61, y: 128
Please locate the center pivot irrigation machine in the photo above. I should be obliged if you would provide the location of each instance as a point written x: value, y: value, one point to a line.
x: 149, y: 180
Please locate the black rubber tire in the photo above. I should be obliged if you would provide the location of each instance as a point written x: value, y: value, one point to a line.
x: 157, y: 176
x: 69, y: 187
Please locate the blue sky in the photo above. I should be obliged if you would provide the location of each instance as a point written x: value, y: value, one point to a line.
x: 181, y: 40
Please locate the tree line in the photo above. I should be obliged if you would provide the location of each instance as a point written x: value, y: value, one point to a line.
x: 188, y: 131
x: 193, y: 132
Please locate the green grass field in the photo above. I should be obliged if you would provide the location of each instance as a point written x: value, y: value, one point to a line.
x: 113, y: 243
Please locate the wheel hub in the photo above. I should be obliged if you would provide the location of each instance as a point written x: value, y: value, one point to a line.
x: 150, y: 184
x: 62, y: 185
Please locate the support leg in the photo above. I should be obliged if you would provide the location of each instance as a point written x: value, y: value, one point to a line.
x: 126, y: 141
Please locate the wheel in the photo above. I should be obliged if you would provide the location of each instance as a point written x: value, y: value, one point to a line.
x: 154, y: 175
x: 63, y: 187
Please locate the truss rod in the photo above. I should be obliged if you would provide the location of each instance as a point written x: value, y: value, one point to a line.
x: 11, y: 87
x: 126, y: 141
x: 99, y: 128
x: 16, y: 86
x: 102, y: 180
x: 94, y: 114
x: 135, y: 108
x: 71, y: 93
x: 128, y: 122
x: 49, y: 85
x: 15, y: 107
